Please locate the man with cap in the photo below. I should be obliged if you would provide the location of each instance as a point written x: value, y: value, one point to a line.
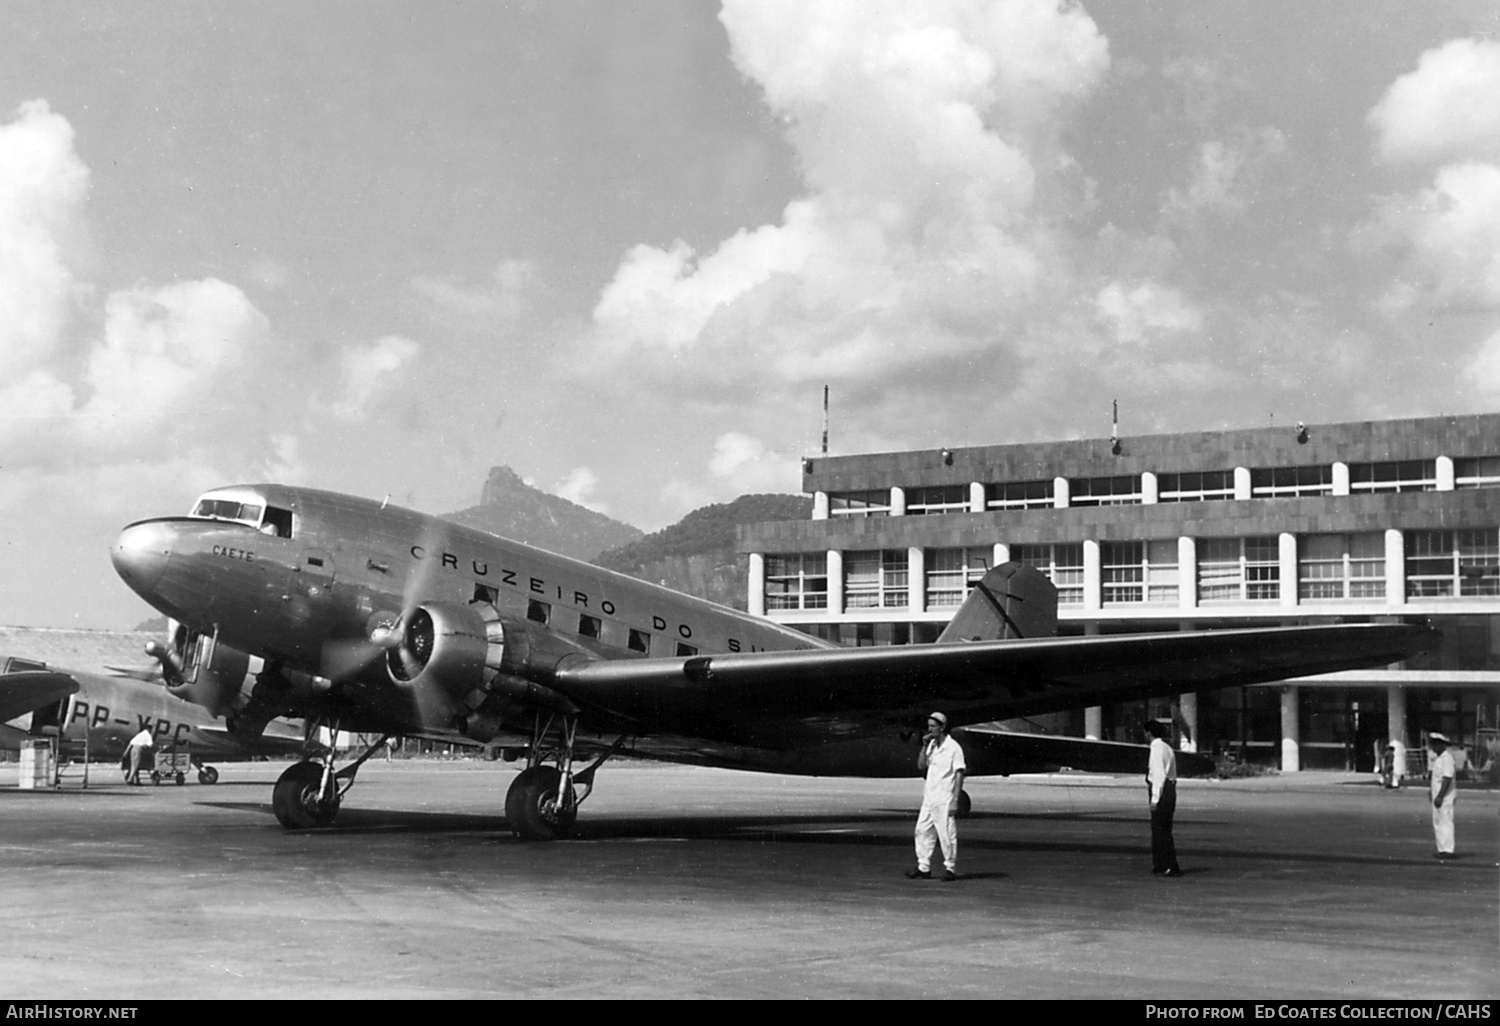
x: 1444, y: 791
x: 943, y: 759
x: 1161, y: 789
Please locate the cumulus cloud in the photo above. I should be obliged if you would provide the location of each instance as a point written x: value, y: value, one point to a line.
x: 579, y: 486
x: 1139, y: 312
x: 368, y: 372
x: 1445, y: 235
x: 505, y: 296
x: 43, y: 185
x: 1218, y: 176
x: 1445, y: 109
x: 921, y: 131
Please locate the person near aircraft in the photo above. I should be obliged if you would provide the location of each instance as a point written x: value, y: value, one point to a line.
x: 1444, y: 791
x: 1161, y: 788
x: 135, y: 752
x: 937, y: 823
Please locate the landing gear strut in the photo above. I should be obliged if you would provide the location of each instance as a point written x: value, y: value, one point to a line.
x: 309, y: 793
x: 542, y: 803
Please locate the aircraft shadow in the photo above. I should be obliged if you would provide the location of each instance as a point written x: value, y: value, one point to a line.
x: 838, y: 831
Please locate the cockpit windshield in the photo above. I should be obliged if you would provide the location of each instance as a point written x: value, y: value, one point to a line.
x: 248, y: 508
x: 229, y: 509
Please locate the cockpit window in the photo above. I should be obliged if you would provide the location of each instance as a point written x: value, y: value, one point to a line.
x: 229, y: 509
x: 278, y: 522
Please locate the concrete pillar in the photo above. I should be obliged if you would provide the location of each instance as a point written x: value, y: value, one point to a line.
x: 1093, y: 716
x: 1149, y: 492
x: 1093, y: 575
x: 1187, y: 573
x: 1341, y: 479
x: 1291, y: 737
x: 1395, y: 567
x: 820, y: 506
x: 835, y: 581
x: 1445, y: 475
x: 898, y: 502
x: 976, y: 497
x: 1395, y: 710
x: 916, y: 578
x: 1187, y: 706
x: 1060, y: 493
x: 755, y: 591
x: 1287, y: 552
x: 1242, y: 482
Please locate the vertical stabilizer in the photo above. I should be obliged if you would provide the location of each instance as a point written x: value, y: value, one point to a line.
x: 1013, y: 601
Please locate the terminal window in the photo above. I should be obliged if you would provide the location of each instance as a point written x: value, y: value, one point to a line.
x: 1239, y: 569
x: 1020, y: 495
x: 1341, y: 566
x: 1062, y: 563
x: 797, y: 581
x: 876, y: 579
x: 1290, y: 482
x: 952, y: 572
x: 1393, y: 476
x: 1105, y: 491
x: 1476, y: 472
x: 1197, y: 486
x: 1139, y: 571
x: 876, y: 503
x: 937, y: 499
x: 1441, y: 564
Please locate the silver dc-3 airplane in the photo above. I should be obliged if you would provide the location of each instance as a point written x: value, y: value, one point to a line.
x: 375, y: 619
x: 37, y: 700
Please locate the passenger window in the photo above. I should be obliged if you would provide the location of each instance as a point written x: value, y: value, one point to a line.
x: 640, y: 641
x: 686, y: 650
x: 588, y: 626
x: 538, y: 612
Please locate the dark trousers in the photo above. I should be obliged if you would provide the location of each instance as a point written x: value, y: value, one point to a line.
x: 1163, y: 848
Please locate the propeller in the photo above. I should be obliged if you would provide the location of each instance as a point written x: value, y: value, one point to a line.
x: 387, y: 631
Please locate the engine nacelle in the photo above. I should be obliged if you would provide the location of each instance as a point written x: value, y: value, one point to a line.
x: 461, y: 649
x: 198, y: 668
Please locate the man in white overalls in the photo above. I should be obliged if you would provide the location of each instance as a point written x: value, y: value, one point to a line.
x: 1444, y: 791
x: 943, y: 759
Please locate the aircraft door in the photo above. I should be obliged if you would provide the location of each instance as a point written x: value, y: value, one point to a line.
x: 316, y: 569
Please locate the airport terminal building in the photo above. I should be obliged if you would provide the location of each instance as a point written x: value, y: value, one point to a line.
x: 1332, y: 523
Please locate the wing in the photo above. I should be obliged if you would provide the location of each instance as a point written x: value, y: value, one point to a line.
x: 29, y: 690
x: 785, y: 699
x: 216, y: 742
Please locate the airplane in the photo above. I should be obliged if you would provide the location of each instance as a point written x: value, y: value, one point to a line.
x: 376, y: 619
x: 38, y: 701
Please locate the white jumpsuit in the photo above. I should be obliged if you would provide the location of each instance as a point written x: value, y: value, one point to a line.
x: 1442, y: 815
x: 934, y: 823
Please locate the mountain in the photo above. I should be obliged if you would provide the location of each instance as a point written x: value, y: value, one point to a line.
x: 699, y: 554
x: 513, y: 509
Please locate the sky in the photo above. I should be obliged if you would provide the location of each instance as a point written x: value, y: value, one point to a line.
x: 380, y: 246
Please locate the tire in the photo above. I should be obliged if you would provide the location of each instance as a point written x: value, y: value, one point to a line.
x: 155, y: 777
x: 964, y: 805
x: 530, y: 806
x: 208, y: 775
x: 181, y: 778
x: 295, y: 798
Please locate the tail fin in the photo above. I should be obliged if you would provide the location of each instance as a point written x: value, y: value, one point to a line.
x: 1013, y: 601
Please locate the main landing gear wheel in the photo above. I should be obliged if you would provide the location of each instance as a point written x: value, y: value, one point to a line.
x: 531, y: 806
x: 297, y: 798
x: 964, y: 805
x: 208, y: 775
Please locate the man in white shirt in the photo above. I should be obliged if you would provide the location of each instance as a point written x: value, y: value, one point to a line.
x: 139, y: 745
x: 943, y: 759
x: 1444, y: 791
x: 1161, y: 787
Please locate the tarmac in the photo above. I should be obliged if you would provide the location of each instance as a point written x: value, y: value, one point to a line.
x: 693, y: 883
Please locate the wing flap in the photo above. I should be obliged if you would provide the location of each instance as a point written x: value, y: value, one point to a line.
x: 794, y: 697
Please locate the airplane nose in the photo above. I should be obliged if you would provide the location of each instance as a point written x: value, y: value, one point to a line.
x: 141, y: 554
